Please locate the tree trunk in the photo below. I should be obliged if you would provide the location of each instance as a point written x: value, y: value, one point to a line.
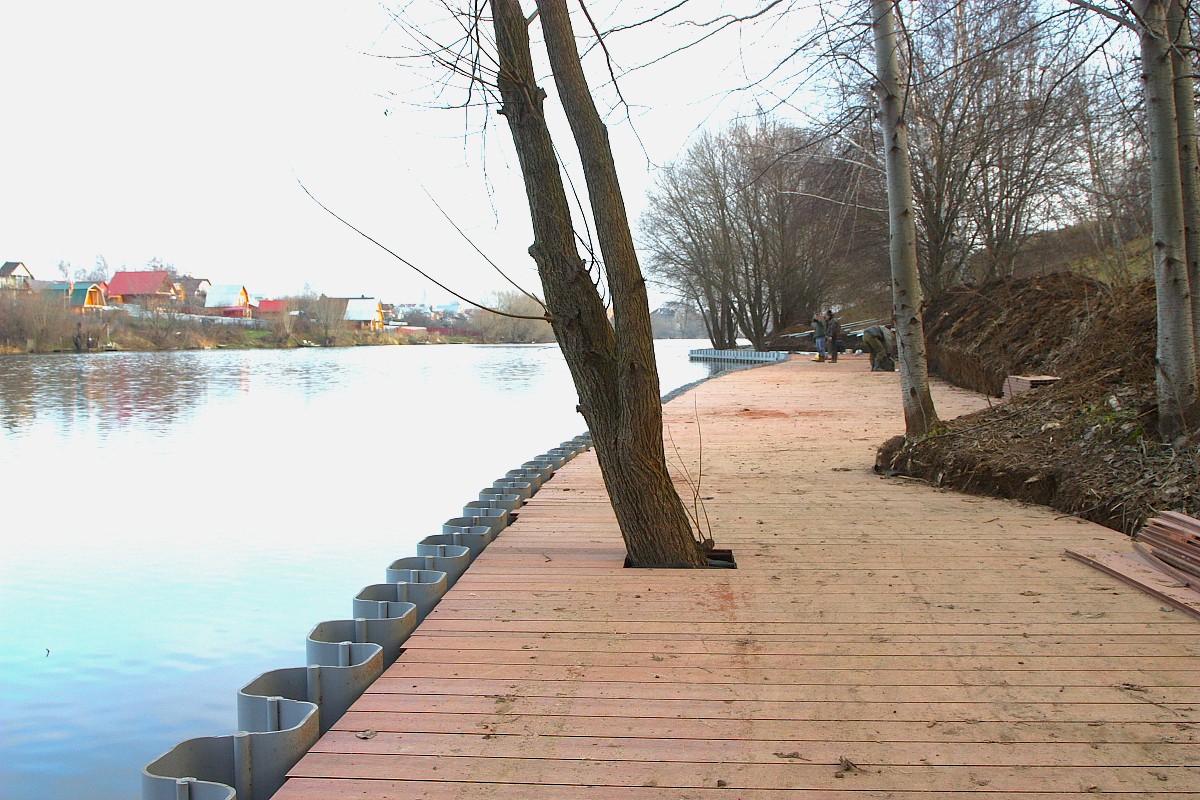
x: 1182, y: 62
x: 612, y: 366
x: 920, y: 416
x: 1176, y: 355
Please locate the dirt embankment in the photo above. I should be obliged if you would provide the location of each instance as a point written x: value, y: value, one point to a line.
x: 1086, y: 444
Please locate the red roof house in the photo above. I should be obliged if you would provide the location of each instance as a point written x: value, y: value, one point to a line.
x: 141, y: 287
x: 269, y: 308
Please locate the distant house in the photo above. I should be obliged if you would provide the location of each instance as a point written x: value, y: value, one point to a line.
x: 230, y: 299
x: 15, y: 276
x: 193, y: 291
x: 274, y: 308
x: 153, y: 288
x: 87, y: 297
x: 52, y: 291
x: 365, y: 313
x: 79, y: 297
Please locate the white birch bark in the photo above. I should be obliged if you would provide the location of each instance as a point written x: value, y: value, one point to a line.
x: 1175, y: 378
x: 919, y: 414
x: 1189, y: 160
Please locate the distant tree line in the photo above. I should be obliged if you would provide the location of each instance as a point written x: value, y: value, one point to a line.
x: 1022, y: 118
x: 1004, y: 125
x: 757, y: 226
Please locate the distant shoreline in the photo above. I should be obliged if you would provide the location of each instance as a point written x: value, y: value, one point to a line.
x: 246, y: 345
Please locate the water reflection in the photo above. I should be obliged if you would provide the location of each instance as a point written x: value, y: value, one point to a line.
x: 185, y: 518
x: 517, y: 364
x: 109, y: 390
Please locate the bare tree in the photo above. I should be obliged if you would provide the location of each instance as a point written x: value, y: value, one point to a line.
x: 1026, y: 127
x: 990, y: 133
x: 519, y: 324
x: 1176, y: 376
x: 613, y: 365
x: 945, y: 145
x: 687, y: 231
x: 1183, y: 69
x: 285, y: 323
x: 920, y: 416
x: 1170, y: 124
x: 36, y: 322
x: 760, y: 224
x: 97, y: 274
x: 1110, y: 198
x: 326, y: 316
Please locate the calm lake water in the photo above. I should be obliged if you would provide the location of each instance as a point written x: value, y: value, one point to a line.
x: 173, y: 524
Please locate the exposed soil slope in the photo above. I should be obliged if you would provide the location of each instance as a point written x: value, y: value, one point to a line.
x: 1085, y: 445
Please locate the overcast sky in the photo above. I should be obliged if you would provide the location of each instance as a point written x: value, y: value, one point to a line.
x: 136, y: 129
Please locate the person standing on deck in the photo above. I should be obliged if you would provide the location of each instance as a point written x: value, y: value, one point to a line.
x: 819, y: 334
x: 833, y: 335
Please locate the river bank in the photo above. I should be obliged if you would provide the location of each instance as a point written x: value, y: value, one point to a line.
x: 174, y: 335
x: 1086, y: 444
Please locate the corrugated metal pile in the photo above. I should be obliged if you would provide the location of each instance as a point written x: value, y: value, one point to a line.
x: 1171, y: 542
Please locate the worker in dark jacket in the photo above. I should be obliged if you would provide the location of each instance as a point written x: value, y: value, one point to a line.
x: 819, y: 334
x: 833, y: 335
x: 880, y: 342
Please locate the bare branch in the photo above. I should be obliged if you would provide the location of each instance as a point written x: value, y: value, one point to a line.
x: 872, y: 209
x: 1127, y: 22
x: 409, y: 264
x: 474, y: 247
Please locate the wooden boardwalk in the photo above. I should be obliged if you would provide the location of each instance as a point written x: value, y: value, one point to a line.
x: 880, y: 638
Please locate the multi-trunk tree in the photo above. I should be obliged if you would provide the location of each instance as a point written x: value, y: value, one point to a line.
x: 991, y: 130
x: 613, y: 364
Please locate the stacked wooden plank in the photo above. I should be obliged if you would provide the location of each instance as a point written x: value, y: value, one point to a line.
x: 1171, y: 542
x: 1019, y: 384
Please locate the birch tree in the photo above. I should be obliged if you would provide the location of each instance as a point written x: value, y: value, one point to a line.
x: 920, y: 416
x: 1182, y: 70
x: 1175, y: 358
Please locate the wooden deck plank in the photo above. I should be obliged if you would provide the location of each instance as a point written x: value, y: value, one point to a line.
x: 537, y: 771
x: 756, y: 751
x: 481, y: 645
x: 748, y: 627
x: 528, y: 653
x: 1049, y: 692
x: 452, y: 789
x: 882, y: 675
x: 942, y: 643
x: 696, y: 712
x: 1135, y: 571
x: 884, y: 730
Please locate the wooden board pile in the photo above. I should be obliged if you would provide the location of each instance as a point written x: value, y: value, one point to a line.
x: 1171, y: 542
